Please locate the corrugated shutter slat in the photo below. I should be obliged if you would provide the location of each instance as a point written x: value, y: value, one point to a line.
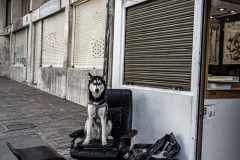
x: 158, y: 44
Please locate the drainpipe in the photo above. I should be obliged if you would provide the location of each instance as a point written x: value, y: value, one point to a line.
x: 106, y: 46
x: 34, y: 52
x: 41, y: 50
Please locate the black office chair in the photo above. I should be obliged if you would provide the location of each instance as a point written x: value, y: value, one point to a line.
x: 120, y: 112
x: 36, y: 153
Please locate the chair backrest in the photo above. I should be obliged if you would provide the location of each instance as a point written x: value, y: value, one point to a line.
x: 120, y: 110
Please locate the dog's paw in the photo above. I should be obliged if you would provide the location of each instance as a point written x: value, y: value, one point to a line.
x: 85, y: 142
x: 110, y: 137
x: 77, y: 141
x: 104, y: 143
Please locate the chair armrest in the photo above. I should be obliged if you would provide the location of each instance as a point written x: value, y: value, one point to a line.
x: 130, y: 134
x: 78, y: 133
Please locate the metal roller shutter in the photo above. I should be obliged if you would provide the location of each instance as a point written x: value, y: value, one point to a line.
x: 158, y: 44
x: 53, y: 41
x: 37, y: 50
x: 89, y: 34
x: 20, y: 51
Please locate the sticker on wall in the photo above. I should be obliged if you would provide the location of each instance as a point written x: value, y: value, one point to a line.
x: 26, y: 19
x: 35, y: 15
x: 231, y: 46
x: 209, y: 111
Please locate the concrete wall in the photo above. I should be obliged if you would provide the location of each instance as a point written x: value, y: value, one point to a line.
x: 52, y: 80
x: 77, y: 82
x: 18, y: 73
x: 5, y: 57
x: 4, y: 42
x: 38, y: 3
x: 2, y: 16
x: 221, y: 132
x: 16, y: 10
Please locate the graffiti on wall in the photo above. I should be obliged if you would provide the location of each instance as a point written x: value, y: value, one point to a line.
x: 50, y: 48
x: 19, y: 55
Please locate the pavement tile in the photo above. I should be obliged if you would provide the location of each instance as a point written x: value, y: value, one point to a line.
x: 55, y: 118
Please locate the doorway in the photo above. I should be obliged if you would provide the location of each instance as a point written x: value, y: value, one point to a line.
x: 220, y: 134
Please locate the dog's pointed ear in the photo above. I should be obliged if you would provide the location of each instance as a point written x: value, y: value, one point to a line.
x: 90, y: 76
x: 104, y: 77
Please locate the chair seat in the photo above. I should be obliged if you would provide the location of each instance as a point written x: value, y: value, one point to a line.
x: 97, y: 144
x: 95, y: 150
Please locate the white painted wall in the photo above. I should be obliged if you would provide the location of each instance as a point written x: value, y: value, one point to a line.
x: 221, y: 134
x: 157, y: 111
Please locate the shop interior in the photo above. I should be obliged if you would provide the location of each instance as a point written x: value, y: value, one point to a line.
x: 223, y: 50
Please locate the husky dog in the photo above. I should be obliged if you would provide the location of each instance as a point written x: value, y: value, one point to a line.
x: 97, y: 125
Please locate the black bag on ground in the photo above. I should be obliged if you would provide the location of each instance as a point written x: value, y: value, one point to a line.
x: 168, y: 144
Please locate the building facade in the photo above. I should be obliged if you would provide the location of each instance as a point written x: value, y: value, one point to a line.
x: 53, y: 44
x: 159, y: 49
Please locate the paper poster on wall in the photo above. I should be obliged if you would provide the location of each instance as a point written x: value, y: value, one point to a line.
x: 231, y: 46
x: 214, y: 46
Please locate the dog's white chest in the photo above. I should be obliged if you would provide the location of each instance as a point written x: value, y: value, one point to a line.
x: 95, y: 112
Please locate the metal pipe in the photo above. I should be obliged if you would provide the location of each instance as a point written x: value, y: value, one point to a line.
x: 204, y: 64
x: 41, y: 43
x: 106, y: 45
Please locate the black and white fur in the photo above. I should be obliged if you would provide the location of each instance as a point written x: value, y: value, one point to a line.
x: 97, y: 124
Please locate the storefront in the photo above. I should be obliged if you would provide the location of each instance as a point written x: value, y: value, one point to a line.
x: 181, y: 60
x: 222, y: 87
x: 157, y: 46
x: 20, y: 55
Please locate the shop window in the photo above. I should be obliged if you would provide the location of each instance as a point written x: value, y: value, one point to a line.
x: 158, y: 44
x: 224, y: 50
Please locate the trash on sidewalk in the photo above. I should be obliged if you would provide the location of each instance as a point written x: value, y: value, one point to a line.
x: 164, y: 149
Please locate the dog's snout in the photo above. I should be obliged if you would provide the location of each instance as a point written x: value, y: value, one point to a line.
x: 96, y: 89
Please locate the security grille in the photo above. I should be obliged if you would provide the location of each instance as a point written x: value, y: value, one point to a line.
x: 89, y: 34
x: 53, y: 41
x: 158, y: 44
x: 20, y: 51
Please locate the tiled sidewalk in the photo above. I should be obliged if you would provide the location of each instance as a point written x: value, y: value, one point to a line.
x: 54, y: 118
